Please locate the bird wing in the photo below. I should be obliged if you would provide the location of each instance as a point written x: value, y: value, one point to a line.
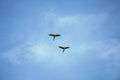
x: 67, y: 47
x: 61, y: 47
x: 54, y: 34
x: 57, y: 35
x: 50, y: 34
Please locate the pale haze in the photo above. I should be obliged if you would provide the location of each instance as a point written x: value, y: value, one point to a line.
x: 91, y: 28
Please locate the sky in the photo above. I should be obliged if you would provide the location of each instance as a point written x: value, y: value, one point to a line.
x: 91, y: 29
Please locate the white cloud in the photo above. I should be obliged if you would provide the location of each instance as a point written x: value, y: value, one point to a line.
x: 72, y: 26
x: 36, y: 53
x: 88, y: 20
x: 112, y: 55
x: 43, y: 52
x: 106, y: 51
x: 72, y: 21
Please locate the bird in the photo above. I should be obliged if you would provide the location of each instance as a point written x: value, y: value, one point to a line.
x: 63, y: 47
x: 54, y: 35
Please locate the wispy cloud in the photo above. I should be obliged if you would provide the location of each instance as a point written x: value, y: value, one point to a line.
x: 75, y: 26
x: 35, y: 53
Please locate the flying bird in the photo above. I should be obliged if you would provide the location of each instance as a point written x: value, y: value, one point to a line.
x: 54, y: 35
x: 63, y: 47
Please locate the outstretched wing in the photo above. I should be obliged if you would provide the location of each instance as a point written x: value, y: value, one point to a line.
x: 61, y: 47
x: 67, y: 47
x: 51, y: 34
x: 57, y: 35
x: 54, y: 35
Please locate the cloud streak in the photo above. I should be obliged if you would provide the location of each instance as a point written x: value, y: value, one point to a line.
x: 77, y: 26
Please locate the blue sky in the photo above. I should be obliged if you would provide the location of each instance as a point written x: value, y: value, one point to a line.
x: 89, y: 27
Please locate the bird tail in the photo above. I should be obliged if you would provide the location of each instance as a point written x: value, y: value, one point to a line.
x: 63, y: 50
x: 53, y: 38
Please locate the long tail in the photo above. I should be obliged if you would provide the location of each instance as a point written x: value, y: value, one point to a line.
x: 53, y: 38
x: 63, y: 50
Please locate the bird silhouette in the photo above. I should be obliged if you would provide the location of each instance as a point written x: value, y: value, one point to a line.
x: 54, y: 35
x: 63, y: 47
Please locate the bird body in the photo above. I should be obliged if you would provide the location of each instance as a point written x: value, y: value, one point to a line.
x: 54, y: 35
x: 63, y: 47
